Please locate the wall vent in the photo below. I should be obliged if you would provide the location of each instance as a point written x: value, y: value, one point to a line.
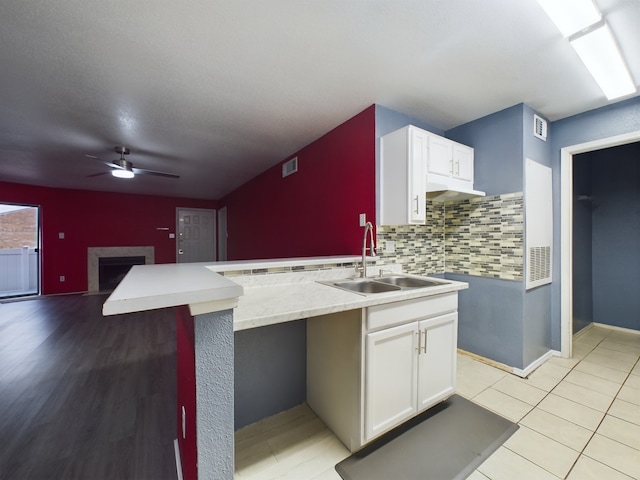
x: 540, y: 127
x: 539, y: 267
x: 290, y: 167
x: 538, y: 214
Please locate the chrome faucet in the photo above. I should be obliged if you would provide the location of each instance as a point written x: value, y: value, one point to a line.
x: 368, y: 227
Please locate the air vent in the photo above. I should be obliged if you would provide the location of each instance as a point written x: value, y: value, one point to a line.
x: 290, y: 167
x: 540, y: 127
x: 539, y: 267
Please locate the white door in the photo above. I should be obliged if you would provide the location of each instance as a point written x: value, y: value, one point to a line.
x: 390, y: 378
x: 440, y: 158
x: 437, y: 359
x: 463, y: 162
x: 222, y: 234
x: 196, y: 235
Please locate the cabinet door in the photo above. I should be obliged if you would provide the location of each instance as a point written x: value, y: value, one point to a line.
x: 463, y: 162
x: 440, y: 157
x: 416, y: 176
x: 437, y: 359
x: 390, y: 378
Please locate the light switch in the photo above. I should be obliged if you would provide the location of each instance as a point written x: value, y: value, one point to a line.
x: 61, y: 235
x: 172, y: 235
x: 363, y: 219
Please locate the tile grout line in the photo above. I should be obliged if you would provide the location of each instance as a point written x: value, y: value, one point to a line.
x: 593, y: 434
x: 581, y: 452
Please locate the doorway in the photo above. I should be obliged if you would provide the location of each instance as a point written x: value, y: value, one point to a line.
x: 196, y: 235
x: 19, y: 250
x: 566, y: 228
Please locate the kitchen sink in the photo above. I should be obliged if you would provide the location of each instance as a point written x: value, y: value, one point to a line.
x: 386, y: 283
x: 407, y: 282
x: 365, y: 285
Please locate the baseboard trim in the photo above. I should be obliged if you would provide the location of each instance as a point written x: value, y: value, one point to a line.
x: 176, y: 449
x: 613, y: 327
x: 535, y: 364
x: 507, y: 368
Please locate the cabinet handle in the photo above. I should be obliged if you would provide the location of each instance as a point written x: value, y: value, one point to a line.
x: 417, y: 203
x: 419, y: 342
x: 425, y: 341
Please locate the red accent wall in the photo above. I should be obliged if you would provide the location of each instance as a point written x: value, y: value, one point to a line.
x: 95, y: 219
x: 186, y: 392
x: 314, y: 211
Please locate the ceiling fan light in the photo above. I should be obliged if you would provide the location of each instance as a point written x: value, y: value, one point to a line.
x: 121, y: 173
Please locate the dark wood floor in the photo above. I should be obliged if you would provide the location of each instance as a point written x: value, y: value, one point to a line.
x: 84, y: 396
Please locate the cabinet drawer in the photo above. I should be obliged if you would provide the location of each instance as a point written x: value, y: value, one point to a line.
x: 396, y: 313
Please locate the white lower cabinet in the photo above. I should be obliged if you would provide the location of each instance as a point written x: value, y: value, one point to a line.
x: 408, y: 368
x: 437, y: 360
x: 370, y: 370
x: 391, y: 371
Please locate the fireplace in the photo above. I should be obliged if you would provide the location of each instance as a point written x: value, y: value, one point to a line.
x: 111, y: 270
x: 110, y: 258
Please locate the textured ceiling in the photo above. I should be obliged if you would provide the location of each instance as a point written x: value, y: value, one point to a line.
x: 219, y: 91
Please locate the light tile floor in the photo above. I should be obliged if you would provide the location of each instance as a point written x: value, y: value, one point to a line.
x: 579, y: 419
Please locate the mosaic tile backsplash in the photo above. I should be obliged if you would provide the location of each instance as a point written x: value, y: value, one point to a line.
x: 481, y: 236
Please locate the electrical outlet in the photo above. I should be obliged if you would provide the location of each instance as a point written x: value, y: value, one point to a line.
x: 61, y: 235
x: 389, y: 246
x: 363, y: 219
x: 62, y: 278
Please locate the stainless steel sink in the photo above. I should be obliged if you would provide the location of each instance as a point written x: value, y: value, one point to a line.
x: 408, y: 282
x: 365, y: 285
x: 387, y: 283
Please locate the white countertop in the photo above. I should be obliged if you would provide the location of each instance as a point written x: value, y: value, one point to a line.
x: 301, y: 296
x: 147, y: 287
x: 259, y: 300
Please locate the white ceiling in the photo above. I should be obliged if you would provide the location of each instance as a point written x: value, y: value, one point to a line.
x: 218, y: 91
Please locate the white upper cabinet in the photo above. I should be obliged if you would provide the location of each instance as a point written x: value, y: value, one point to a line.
x: 449, y: 163
x: 414, y: 162
x: 403, y: 160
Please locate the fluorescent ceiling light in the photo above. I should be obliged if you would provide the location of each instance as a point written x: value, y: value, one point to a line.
x: 599, y: 52
x: 571, y: 16
x: 121, y: 173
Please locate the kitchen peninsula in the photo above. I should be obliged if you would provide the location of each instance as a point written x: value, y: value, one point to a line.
x: 218, y: 299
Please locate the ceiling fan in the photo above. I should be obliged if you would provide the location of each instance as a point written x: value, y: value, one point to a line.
x: 123, y: 168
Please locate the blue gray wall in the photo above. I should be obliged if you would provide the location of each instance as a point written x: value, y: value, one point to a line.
x: 498, y: 143
x: 490, y: 318
x: 582, y: 235
x: 270, y: 370
x: 616, y: 236
x: 619, y: 118
x: 537, y: 301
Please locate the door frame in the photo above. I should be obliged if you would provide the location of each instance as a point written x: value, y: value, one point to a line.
x: 215, y: 226
x: 566, y: 228
x: 37, y: 248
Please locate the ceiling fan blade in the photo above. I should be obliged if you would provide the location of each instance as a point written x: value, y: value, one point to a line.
x: 108, y: 164
x: 142, y: 171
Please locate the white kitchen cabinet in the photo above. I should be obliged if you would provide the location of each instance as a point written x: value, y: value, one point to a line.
x: 449, y: 163
x: 370, y: 370
x: 409, y: 368
x: 391, y: 370
x: 437, y: 359
x: 414, y: 162
x: 401, y: 189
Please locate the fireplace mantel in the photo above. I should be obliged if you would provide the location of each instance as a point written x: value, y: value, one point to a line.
x: 94, y: 253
